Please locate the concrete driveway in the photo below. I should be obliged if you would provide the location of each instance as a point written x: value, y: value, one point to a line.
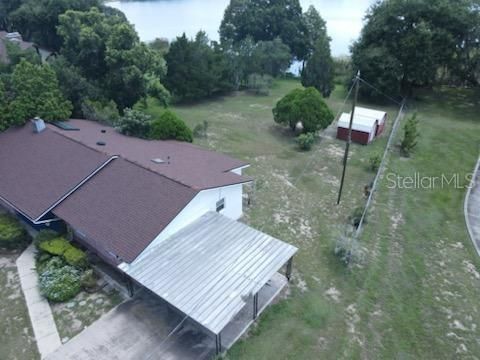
x: 135, y: 330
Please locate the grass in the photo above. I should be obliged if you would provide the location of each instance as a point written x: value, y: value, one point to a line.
x: 16, y: 334
x: 73, y: 316
x: 416, y: 295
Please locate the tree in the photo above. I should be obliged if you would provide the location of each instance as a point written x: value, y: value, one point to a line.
x: 410, y: 135
x: 404, y: 43
x: 107, y: 50
x: 264, y: 20
x: 74, y: 86
x: 37, y: 20
x: 196, y: 69
x: 316, y: 28
x: 306, y: 106
x: 36, y: 93
x: 134, y: 123
x: 319, y: 70
x: 170, y: 126
x: 270, y: 57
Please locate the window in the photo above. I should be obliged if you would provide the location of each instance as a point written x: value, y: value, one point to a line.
x: 220, y: 204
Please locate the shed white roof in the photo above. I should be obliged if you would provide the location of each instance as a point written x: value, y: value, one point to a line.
x: 375, y: 114
x: 360, y: 123
x: 208, y: 269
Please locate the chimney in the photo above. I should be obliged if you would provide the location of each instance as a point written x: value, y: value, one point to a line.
x: 38, y: 125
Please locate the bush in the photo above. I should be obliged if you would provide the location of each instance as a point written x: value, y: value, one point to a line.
x: 105, y: 113
x: 200, y: 130
x: 305, y: 105
x: 45, y: 235
x: 12, y: 234
x: 410, y: 136
x: 54, y: 262
x: 60, y: 284
x: 134, y: 123
x: 357, y: 216
x: 76, y: 257
x: 305, y: 141
x: 374, y: 163
x: 56, y: 246
x: 347, y: 249
x: 170, y: 126
x: 88, y: 280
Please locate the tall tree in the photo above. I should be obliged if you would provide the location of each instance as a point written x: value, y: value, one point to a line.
x: 37, y: 19
x: 196, y: 69
x: 319, y: 68
x: 3, y: 108
x: 107, y: 49
x: 36, y: 93
x: 404, y: 43
x: 316, y: 27
x: 265, y: 20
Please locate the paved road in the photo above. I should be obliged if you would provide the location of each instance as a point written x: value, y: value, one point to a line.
x: 472, y: 209
x: 136, y: 330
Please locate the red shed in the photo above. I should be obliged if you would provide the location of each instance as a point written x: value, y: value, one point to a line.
x: 367, y: 124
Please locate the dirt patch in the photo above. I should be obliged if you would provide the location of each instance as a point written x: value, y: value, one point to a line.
x: 333, y: 294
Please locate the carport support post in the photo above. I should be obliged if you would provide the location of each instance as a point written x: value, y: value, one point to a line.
x: 218, y: 343
x: 288, y: 272
x: 255, y: 306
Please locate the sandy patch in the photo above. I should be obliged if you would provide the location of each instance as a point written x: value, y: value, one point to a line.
x: 333, y: 293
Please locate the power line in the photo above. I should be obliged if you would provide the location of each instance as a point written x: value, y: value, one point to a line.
x: 380, y: 92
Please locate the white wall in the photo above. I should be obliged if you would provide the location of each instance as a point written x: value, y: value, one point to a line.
x: 204, y: 201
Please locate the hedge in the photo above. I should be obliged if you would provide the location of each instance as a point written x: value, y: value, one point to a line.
x: 57, y: 246
x: 12, y: 234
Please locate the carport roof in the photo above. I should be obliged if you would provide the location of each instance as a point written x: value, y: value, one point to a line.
x: 210, y: 268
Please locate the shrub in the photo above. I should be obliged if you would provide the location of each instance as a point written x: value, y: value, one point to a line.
x: 12, y: 234
x: 134, y: 123
x: 410, y: 136
x: 76, y: 257
x: 56, y: 246
x: 305, y: 105
x: 357, y: 216
x: 45, y: 235
x: 200, y: 130
x: 347, y: 249
x: 60, y: 284
x: 374, y: 162
x: 54, y: 262
x: 105, y: 113
x: 305, y: 141
x: 88, y: 280
x: 170, y: 126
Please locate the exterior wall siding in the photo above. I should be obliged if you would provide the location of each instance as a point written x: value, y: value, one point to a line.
x: 205, y: 201
x: 357, y: 136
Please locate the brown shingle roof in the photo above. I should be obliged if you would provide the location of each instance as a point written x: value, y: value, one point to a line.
x: 123, y: 208
x: 186, y: 163
x: 37, y: 170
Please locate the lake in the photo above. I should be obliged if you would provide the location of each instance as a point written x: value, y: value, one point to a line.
x: 170, y: 18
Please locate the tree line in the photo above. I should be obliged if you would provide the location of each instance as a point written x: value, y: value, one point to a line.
x: 101, y: 67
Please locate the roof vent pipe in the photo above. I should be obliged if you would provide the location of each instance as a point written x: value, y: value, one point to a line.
x: 38, y: 125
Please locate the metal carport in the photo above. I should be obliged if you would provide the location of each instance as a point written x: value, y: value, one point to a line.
x: 209, y: 269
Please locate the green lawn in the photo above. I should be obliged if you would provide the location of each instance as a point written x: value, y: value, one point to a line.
x: 416, y: 295
x: 16, y: 334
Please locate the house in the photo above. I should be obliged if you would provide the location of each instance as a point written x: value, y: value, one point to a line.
x: 163, y: 213
x: 367, y: 125
x: 16, y: 38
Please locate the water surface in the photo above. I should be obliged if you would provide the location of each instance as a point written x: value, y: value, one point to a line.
x: 170, y: 18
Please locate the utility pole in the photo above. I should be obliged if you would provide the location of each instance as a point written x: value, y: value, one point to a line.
x: 349, y: 139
